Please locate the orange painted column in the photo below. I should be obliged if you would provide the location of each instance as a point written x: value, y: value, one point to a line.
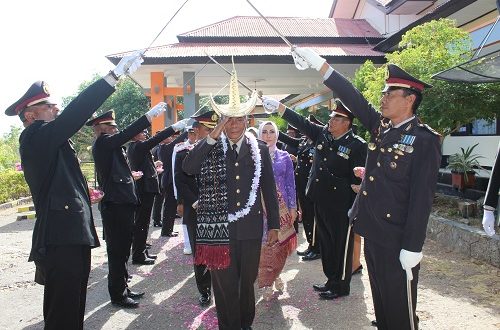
x: 156, y: 97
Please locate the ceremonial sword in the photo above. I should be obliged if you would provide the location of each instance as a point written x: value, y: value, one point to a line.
x: 142, y: 52
x: 229, y: 73
x: 409, y: 277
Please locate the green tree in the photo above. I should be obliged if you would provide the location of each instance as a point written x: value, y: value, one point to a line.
x: 423, y: 51
x: 128, y: 101
x: 9, y: 148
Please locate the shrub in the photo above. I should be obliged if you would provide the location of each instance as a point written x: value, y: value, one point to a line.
x: 12, y: 185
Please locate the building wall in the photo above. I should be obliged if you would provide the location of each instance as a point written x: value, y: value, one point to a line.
x: 487, y: 146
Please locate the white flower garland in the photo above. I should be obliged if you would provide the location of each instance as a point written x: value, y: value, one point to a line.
x: 257, y: 159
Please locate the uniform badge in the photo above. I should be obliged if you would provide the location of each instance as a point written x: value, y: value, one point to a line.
x: 343, y: 152
x: 372, y: 146
x: 215, y: 117
x: 407, y: 139
x: 45, y: 88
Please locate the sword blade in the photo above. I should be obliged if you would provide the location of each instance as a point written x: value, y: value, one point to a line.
x: 410, y: 304
x: 272, y: 26
x: 229, y: 73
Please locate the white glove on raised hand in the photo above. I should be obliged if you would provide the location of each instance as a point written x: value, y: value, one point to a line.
x: 129, y: 64
x: 306, y: 58
x: 489, y: 222
x: 180, y: 125
x: 270, y: 105
x: 156, y: 110
x: 409, y: 260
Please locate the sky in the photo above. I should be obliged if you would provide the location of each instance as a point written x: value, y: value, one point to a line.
x: 65, y: 42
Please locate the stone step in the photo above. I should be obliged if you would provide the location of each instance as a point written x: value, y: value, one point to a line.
x: 26, y: 215
x: 25, y: 208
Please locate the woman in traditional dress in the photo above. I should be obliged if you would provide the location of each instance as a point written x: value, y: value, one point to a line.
x: 272, y: 259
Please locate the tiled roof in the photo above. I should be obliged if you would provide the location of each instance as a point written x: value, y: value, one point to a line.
x: 255, y: 26
x: 181, y: 50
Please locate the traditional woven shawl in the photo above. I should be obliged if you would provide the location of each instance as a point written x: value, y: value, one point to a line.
x: 212, y: 233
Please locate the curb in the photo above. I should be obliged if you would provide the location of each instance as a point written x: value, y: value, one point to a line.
x: 21, y: 201
x: 25, y: 216
x: 470, y: 241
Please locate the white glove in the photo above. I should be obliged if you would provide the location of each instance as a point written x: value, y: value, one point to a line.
x: 489, y: 222
x: 156, y: 110
x: 180, y: 125
x: 270, y: 105
x: 129, y: 64
x: 306, y: 58
x: 409, y: 260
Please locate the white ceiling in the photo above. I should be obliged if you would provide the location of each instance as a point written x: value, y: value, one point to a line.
x: 272, y: 79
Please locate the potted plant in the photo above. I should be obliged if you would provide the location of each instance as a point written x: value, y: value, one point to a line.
x: 462, y: 165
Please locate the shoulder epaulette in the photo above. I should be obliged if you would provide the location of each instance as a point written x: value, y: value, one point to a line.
x: 430, y: 129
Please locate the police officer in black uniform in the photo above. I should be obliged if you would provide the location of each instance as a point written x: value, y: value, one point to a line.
x: 304, y: 159
x: 165, y: 152
x: 64, y: 229
x: 397, y: 192
x: 337, y: 152
x: 187, y: 196
x: 141, y: 159
x: 120, y: 199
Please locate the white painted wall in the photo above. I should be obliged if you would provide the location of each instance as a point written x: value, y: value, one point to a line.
x: 488, y: 146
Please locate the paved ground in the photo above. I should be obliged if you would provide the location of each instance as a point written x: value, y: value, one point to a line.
x: 454, y: 292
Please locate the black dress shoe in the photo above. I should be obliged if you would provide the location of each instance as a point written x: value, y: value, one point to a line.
x: 303, y: 253
x: 329, y: 295
x: 311, y: 256
x: 358, y: 270
x: 205, y: 299
x: 172, y: 234
x: 146, y: 261
x: 156, y: 224
x: 320, y: 287
x: 374, y: 323
x: 151, y: 256
x: 126, y: 302
x: 134, y: 295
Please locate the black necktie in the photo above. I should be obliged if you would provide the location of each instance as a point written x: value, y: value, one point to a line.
x: 235, y: 152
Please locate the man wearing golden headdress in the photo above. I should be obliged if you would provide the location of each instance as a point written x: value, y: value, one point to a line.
x: 235, y: 175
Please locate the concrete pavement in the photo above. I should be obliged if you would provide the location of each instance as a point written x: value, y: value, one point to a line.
x: 455, y: 292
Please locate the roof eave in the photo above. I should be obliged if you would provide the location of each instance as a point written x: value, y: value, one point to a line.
x: 447, y: 9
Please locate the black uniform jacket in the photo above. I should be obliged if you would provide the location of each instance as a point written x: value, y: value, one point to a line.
x: 305, y: 156
x: 331, y: 174
x: 187, y: 188
x: 165, y: 152
x: 141, y: 159
x: 52, y: 171
x: 113, y: 171
x: 396, y: 195
x: 239, y: 181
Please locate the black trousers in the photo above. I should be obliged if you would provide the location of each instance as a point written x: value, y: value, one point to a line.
x: 157, y: 208
x: 307, y: 207
x: 234, y: 287
x: 118, y: 223
x: 388, y: 284
x: 141, y: 226
x: 169, y: 210
x: 333, y: 227
x: 66, y: 272
x: 201, y: 272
